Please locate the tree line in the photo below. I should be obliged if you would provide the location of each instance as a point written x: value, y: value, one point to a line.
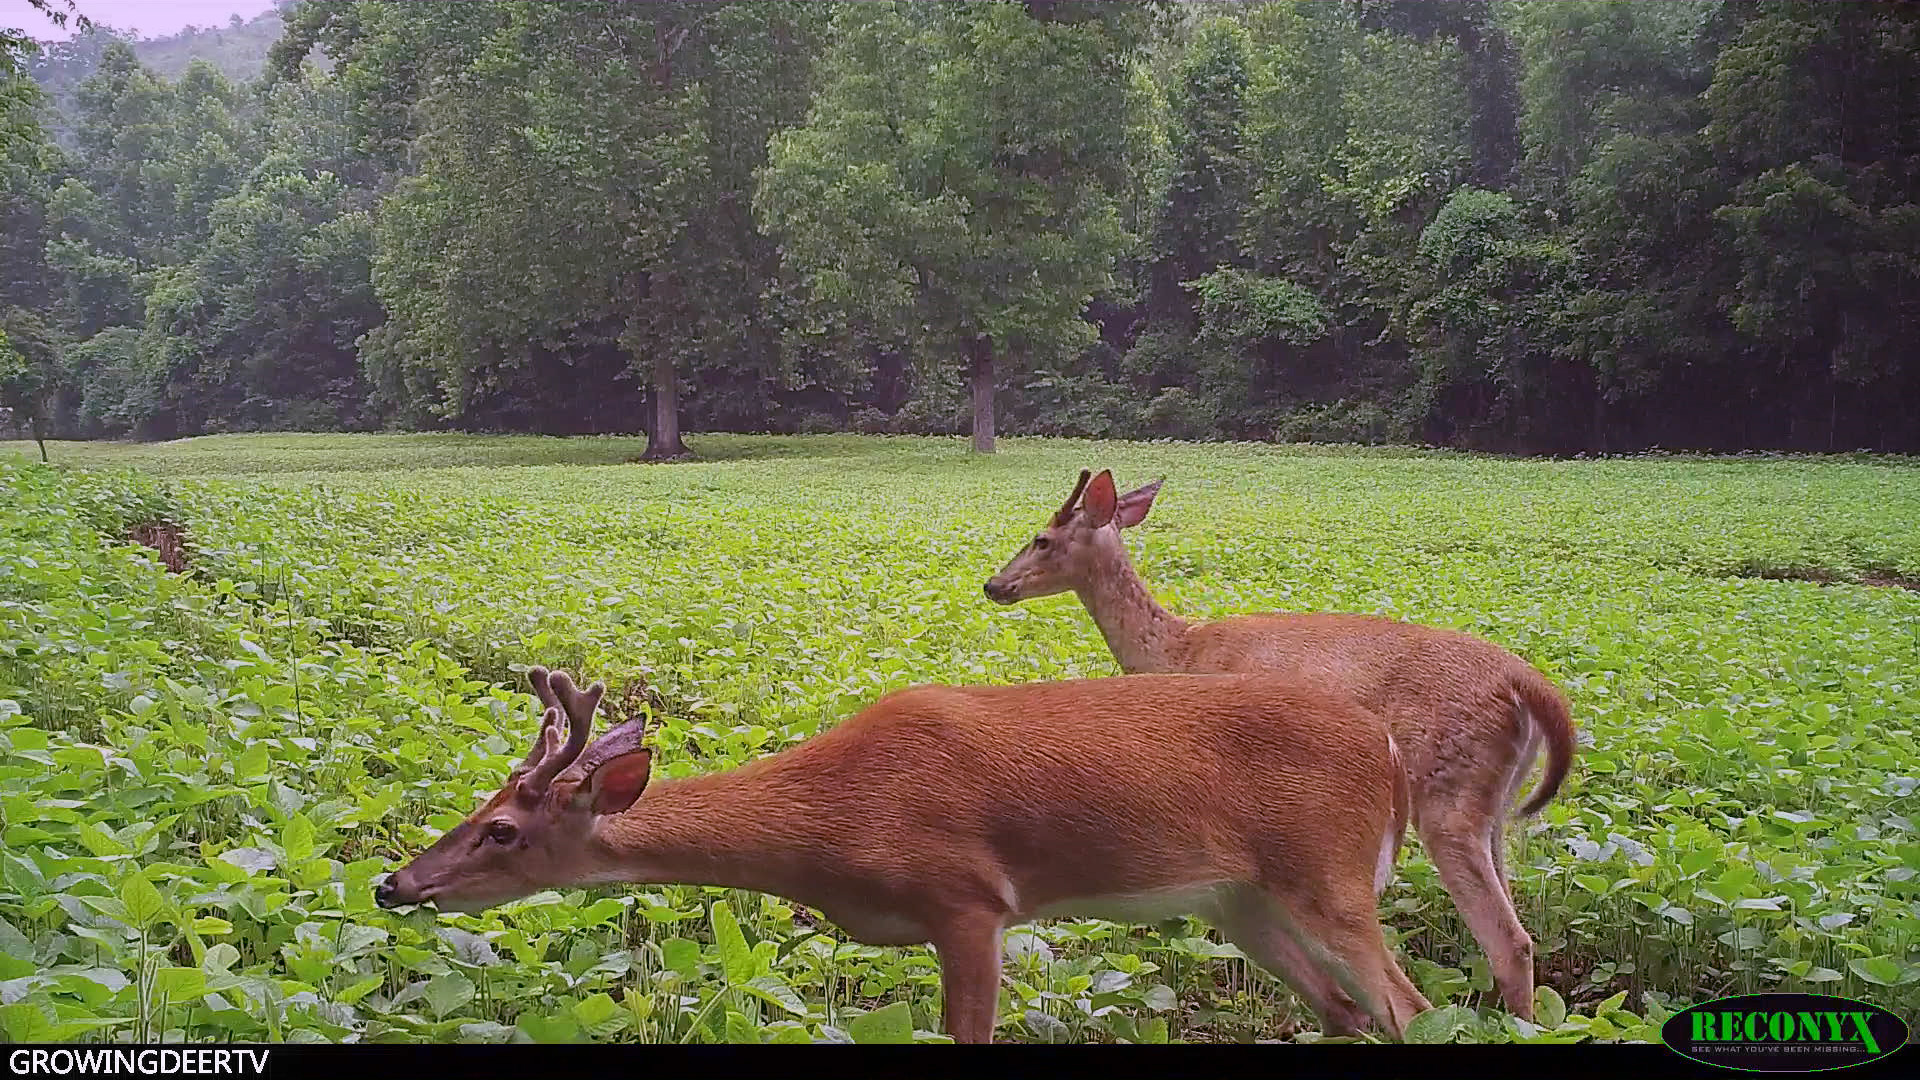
x: 1541, y: 227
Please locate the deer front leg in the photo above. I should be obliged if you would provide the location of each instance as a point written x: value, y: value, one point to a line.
x: 969, y: 949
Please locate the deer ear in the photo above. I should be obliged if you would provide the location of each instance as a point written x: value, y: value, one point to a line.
x: 1132, y: 507
x: 615, y: 785
x: 1100, y: 501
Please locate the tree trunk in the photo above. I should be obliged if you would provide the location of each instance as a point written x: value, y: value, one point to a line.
x: 980, y: 354
x: 663, y: 440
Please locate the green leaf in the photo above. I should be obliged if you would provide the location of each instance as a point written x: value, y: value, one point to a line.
x: 252, y: 762
x: 599, y: 1015
x: 101, y: 842
x: 296, y: 840
x: 220, y: 957
x: 253, y: 860
x: 25, y: 1023
x: 1878, y: 970
x: 772, y: 990
x: 358, y: 990
x: 1549, y: 1008
x: 145, y: 906
x: 557, y: 1028
x: 1440, y: 1025
x: 180, y: 984
x: 468, y: 948
x: 448, y: 992
x: 736, y: 960
x: 741, y: 1030
x: 888, y: 1024
x: 13, y: 942
x: 681, y: 955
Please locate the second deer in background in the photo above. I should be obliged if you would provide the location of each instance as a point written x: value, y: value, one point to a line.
x: 1469, y: 716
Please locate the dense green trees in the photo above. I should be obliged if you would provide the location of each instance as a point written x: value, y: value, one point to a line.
x: 956, y: 185
x: 1535, y: 226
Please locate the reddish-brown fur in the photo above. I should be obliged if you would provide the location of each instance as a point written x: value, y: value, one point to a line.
x: 1468, y: 716
x: 945, y: 814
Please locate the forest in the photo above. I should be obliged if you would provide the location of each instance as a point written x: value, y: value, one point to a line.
x: 1521, y: 362
x: 1526, y: 227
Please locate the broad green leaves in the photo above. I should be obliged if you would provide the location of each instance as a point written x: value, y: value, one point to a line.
x: 202, y: 774
x: 888, y: 1024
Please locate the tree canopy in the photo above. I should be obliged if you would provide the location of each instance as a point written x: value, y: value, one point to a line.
x: 1546, y: 227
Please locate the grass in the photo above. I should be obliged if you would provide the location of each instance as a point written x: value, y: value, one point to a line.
x: 202, y: 772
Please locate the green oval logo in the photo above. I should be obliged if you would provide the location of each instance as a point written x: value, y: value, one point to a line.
x: 1784, y: 1032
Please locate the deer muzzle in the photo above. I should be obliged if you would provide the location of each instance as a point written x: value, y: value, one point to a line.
x: 397, y: 891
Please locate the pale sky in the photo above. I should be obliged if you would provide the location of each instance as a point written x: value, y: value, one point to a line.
x: 145, y: 18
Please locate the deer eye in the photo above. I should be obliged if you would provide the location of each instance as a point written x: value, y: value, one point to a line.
x: 1040, y: 543
x: 502, y: 832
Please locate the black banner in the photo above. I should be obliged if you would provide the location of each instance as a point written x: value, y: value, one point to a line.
x: 526, y: 1062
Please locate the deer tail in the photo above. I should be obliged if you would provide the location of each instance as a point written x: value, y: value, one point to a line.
x: 1544, y: 705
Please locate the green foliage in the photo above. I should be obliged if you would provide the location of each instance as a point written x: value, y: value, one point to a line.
x: 974, y: 210
x: 1206, y: 194
x: 754, y: 216
x: 1236, y: 305
x: 29, y: 372
x: 237, y: 51
x: 582, y: 184
x: 1481, y: 321
x: 201, y: 773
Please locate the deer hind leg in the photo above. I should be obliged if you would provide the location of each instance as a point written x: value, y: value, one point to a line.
x: 1340, y: 928
x: 1462, y: 840
x: 1253, y: 922
x: 1529, y: 749
x: 969, y: 950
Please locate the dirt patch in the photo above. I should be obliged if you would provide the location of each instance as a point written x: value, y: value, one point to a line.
x: 1887, y: 579
x: 634, y: 700
x: 167, y: 540
x: 1881, y: 579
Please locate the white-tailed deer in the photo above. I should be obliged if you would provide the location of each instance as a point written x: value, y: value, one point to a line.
x: 1469, y: 717
x: 944, y: 814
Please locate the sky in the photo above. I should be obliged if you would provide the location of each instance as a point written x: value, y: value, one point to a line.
x: 146, y: 18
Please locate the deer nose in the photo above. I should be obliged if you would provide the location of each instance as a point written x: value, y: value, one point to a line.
x: 992, y: 591
x: 383, y: 893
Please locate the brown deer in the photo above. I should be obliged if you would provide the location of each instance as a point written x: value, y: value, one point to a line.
x: 944, y: 814
x: 1468, y: 716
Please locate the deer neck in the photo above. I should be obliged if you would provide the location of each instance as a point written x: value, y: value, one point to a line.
x: 746, y: 828
x: 1142, y: 635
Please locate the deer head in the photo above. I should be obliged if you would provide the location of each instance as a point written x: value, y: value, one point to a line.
x: 1067, y: 554
x: 534, y: 832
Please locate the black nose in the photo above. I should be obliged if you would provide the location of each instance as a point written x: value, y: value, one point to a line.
x: 988, y: 589
x: 383, y: 893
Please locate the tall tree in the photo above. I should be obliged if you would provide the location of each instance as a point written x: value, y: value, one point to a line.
x: 1199, y: 229
x: 581, y: 189
x: 29, y: 372
x: 1488, y: 72
x: 957, y: 182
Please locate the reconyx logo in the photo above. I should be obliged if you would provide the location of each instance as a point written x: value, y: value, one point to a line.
x: 1784, y: 1032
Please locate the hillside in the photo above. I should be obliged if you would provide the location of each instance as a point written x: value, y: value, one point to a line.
x: 238, y: 50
